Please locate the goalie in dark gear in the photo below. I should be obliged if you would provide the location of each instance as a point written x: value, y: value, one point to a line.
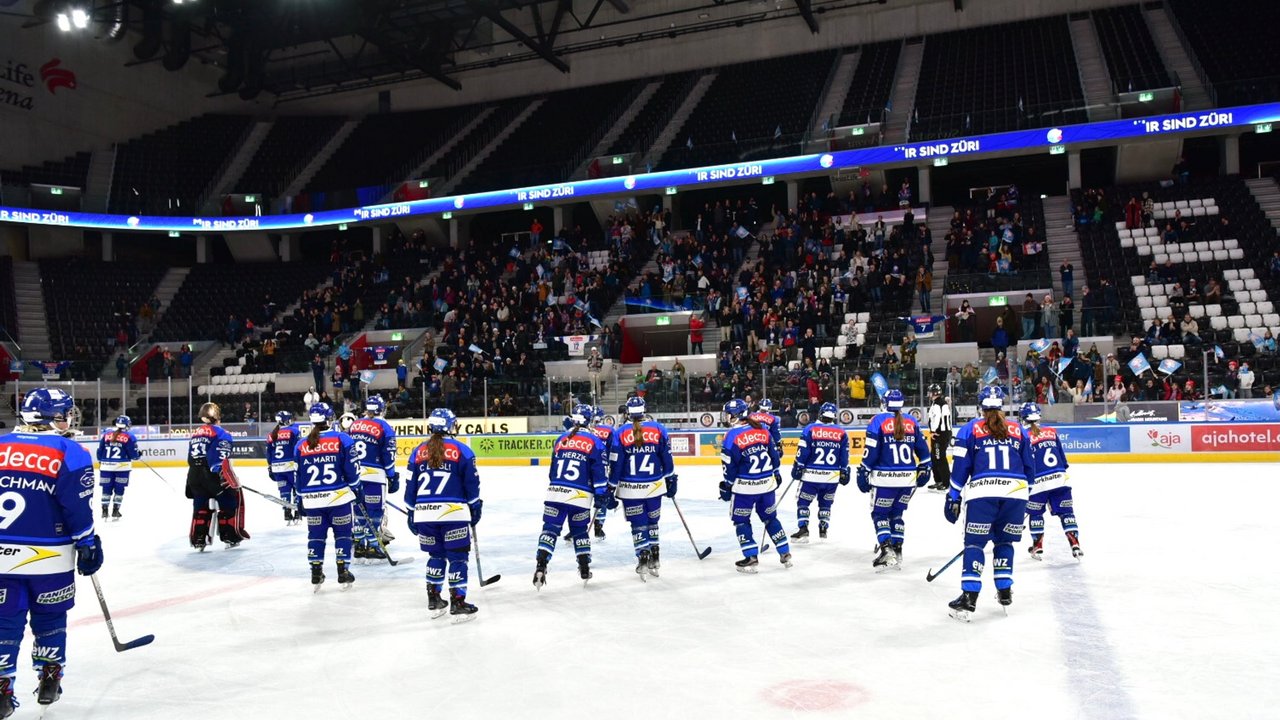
x: 210, y: 477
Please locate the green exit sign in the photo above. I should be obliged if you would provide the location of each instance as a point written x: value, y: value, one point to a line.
x: 342, y: 227
x: 250, y: 198
x: 1057, y: 149
x: 997, y: 301
x: 174, y: 233
x: 858, y: 131
x: 1262, y: 128
x: 424, y: 183
x: 663, y: 320
x: 528, y: 206
x: 1146, y: 96
x: 768, y: 180
x: 618, y: 159
x: 55, y: 191
x: 673, y: 190
x: 397, y: 336
x: 940, y: 162
x: 447, y: 216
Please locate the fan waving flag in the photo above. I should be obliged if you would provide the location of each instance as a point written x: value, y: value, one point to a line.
x: 1040, y: 345
x: 1218, y: 355
x: 1169, y: 366
x: 923, y: 326
x: 880, y: 384
x: 991, y: 375
x: 1088, y: 387
x: 1063, y: 363
x: 1139, y: 364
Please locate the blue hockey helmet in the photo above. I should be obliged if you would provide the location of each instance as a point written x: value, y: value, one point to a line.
x: 581, y: 414
x: 893, y: 400
x: 44, y: 406
x: 442, y: 421
x: 735, y: 409
x: 635, y: 406
x: 320, y: 412
x: 828, y: 411
x: 123, y: 422
x: 375, y: 404
x: 597, y: 413
x: 567, y: 423
x: 766, y: 405
x: 1030, y: 412
x: 991, y: 397
x: 284, y: 417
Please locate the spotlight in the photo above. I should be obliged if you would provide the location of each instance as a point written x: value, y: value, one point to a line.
x: 64, y: 22
x: 79, y: 18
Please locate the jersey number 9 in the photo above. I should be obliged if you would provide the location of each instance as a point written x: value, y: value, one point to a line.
x: 11, y: 506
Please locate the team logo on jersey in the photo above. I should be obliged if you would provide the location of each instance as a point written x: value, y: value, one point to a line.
x: 323, y: 446
x: 751, y: 437
x: 451, y: 453
x: 980, y: 430
x: 827, y: 433
x: 365, y: 426
x: 579, y: 443
x: 39, y: 554
x: 648, y: 435
x: 908, y: 426
x: 604, y: 432
x: 31, y: 459
x: 1046, y: 433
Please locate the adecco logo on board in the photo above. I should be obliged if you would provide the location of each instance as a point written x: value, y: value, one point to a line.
x: 1235, y: 438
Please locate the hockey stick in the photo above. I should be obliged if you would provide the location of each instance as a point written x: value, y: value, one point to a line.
x: 702, y: 555
x: 475, y: 540
x: 931, y: 575
x: 269, y: 498
x: 106, y: 614
x: 376, y: 535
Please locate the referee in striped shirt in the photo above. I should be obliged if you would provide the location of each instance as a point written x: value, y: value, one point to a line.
x: 940, y: 419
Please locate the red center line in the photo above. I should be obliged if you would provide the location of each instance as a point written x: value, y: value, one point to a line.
x: 172, y: 601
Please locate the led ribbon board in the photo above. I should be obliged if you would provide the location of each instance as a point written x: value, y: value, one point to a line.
x: 660, y: 182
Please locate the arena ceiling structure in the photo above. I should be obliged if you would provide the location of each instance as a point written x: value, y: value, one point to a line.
x: 296, y: 49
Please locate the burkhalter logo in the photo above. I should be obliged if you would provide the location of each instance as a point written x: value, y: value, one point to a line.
x: 55, y: 76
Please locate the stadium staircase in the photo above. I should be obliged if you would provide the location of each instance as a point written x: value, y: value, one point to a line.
x: 1267, y: 194
x: 33, y: 317
x: 234, y: 169
x: 98, y: 178
x: 1176, y: 56
x: 1092, y: 66
x: 939, y: 226
x: 838, y: 82
x: 1063, y: 244
x: 165, y: 291
x: 902, y: 101
x: 616, y: 129
x: 457, y: 137
x: 667, y: 137
x: 317, y: 162
x: 453, y: 182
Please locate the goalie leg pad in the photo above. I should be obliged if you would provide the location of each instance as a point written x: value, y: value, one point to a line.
x: 231, y: 516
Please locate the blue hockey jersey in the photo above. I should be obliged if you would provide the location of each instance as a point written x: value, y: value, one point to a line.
x: 984, y: 466
x: 604, y: 431
x: 47, y: 487
x: 771, y: 423
x: 375, y: 447
x: 1049, y: 458
x: 442, y: 494
x: 117, y: 449
x: 749, y: 459
x: 327, y: 471
x: 209, y: 445
x: 893, y: 462
x: 822, y: 453
x: 640, y: 463
x: 280, y: 444
x: 577, y: 469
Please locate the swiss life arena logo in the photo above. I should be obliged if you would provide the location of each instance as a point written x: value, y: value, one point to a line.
x: 18, y: 81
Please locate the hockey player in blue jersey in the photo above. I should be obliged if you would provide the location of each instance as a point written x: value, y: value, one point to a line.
x: 327, y: 486
x: 1051, y: 488
x: 46, y: 532
x: 822, y: 461
x: 764, y: 415
x: 210, y: 478
x: 375, y: 453
x: 749, y: 460
x: 601, y: 428
x: 579, y: 480
x: 117, y: 449
x: 895, y: 461
x: 641, y: 472
x: 993, y: 468
x: 281, y: 466
x: 443, y: 494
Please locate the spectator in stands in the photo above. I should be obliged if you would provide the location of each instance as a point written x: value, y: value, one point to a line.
x: 924, y: 286
x: 1181, y: 171
x: 317, y: 370
x: 1049, y: 317
x: 1148, y: 209
x: 1000, y: 336
x: 1190, y: 330
x: 964, y: 321
x: 1268, y: 345
x: 1133, y: 213
x: 677, y: 377
x: 402, y: 373
x: 122, y: 366
x: 535, y: 232
x: 1189, y: 391
x: 1213, y: 292
x: 1273, y: 267
x: 1153, y: 333
x: 249, y: 415
x: 1030, y: 317
x: 1245, y: 378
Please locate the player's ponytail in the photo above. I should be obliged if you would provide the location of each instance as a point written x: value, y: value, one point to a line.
x: 272, y: 436
x: 637, y: 432
x: 574, y: 430
x: 435, y: 451
x: 899, y: 430
x: 313, y: 437
x: 995, y: 423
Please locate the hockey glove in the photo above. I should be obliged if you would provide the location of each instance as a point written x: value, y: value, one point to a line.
x: 89, y: 554
x: 358, y: 489
x: 951, y: 508
x: 412, y: 528
x: 797, y: 471
x: 604, y: 497
x: 671, y: 485
x: 864, y: 479
x: 726, y: 490
x: 844, y: 475
x: 777, y: 479
x: 924, y: 471
x: 476, y: 508
x: 393, y: 481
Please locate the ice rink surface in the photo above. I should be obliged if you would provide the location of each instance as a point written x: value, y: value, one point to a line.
x: 1169, y: 615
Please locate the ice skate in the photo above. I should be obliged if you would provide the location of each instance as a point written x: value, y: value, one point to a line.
x: 1074, y: 539
x: 642, y: 565
x: 374, y: 553
x: 540, y: 570
x: 822, y: 533
x: 897, y: 555
x: 785, y: 559
x: 963, y: 606
x: 801, y: 536
x: 584, y: 568
x: 288, y: 516
x: 598, y: 530
x: 653, y: 561
x: 115, y: 512
x: 1037, y: 547
x: 361, y: 552
x: 50, y: 688
x: 345, y: 578
x: 106, y: 509
x: 7, y: 702
x: 1005, y: 597
x: 747, y: 565
x: 886, y: 559
x: 317, y: 577
x: 461, y: 610
x: 435, y: 603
